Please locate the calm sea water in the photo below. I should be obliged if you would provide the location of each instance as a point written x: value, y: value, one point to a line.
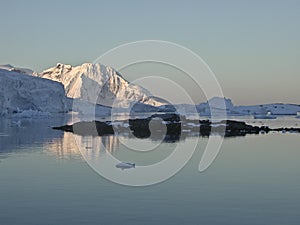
x: 44, y: 180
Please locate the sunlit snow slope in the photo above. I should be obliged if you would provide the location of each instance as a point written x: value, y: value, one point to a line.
x: 99, y: 84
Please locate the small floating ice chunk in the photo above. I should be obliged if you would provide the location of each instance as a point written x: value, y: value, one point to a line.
x: 125, y: 165
x: 218, y: 125
x: 186, y: 130
x: 193, y: 124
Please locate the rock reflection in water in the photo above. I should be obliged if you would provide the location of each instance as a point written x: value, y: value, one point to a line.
x: 70, y: 145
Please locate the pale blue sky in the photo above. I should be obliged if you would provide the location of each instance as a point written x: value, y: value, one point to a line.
x: 252, y: 46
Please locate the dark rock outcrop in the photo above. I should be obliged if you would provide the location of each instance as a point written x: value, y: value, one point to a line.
x: 168, y: 127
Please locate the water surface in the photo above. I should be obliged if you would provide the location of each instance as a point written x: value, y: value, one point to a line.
x: 44, y: 180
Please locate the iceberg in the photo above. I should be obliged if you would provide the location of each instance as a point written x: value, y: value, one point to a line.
x: 125, y: 165
x: 23, y: 93
x: 258, y: 110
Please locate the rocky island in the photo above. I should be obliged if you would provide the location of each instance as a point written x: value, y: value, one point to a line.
x: 167, y: 127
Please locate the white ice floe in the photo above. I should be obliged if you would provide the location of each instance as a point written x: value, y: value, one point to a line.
x: 194, y: 124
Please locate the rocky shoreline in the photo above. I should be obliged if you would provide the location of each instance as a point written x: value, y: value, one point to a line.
x: 168, y: 127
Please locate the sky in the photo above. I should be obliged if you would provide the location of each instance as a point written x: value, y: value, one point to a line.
x: 252, y: 47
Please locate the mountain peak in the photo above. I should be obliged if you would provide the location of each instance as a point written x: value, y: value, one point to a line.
x: 89, y: 81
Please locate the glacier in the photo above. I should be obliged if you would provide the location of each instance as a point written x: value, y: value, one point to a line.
x: 21, y: 92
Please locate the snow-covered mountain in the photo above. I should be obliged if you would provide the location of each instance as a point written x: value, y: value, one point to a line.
x: 99, y: 84
x: 20, y: 92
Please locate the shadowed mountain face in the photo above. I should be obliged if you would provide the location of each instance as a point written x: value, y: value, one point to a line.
x: 167, y: 127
